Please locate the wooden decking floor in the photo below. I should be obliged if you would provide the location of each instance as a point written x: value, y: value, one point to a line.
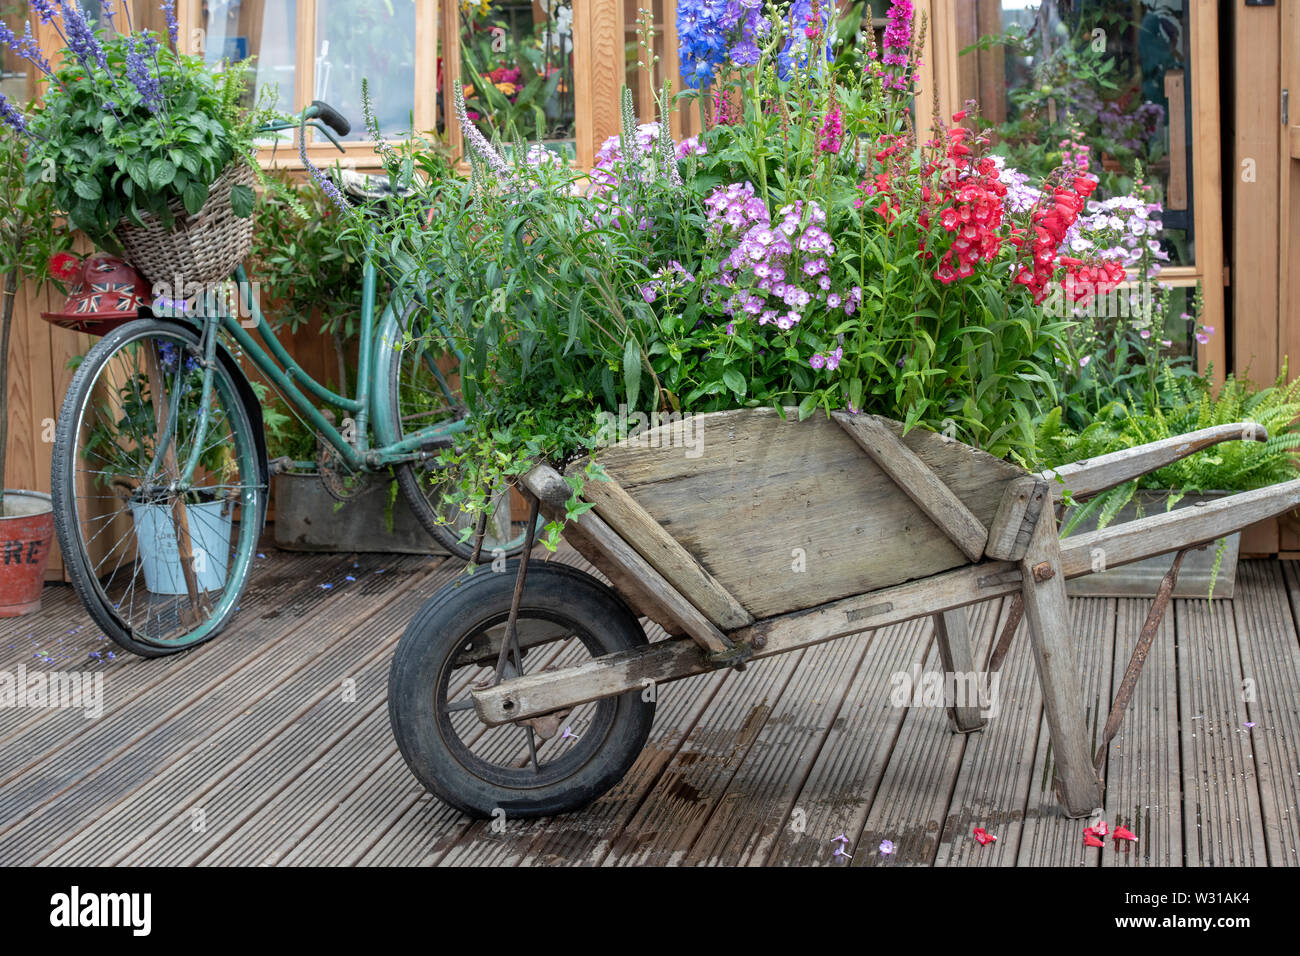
x: 271, y: 745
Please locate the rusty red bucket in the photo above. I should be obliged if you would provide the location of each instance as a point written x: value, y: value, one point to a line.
x: 26, y: 531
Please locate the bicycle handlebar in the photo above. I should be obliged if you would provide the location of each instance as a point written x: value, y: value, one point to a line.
x: 319, y: 116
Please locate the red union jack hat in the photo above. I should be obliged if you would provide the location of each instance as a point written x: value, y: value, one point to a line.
x: 106, y: 292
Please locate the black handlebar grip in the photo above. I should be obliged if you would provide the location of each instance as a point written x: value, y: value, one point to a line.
x: 332, y: 118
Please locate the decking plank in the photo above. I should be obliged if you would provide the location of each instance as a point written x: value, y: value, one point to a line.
x: 1221, y: 812
x: 916, y: 790
x: 1143, y: 762
x: 1048, y: 837
x: 997, y: 765
x: 585, y: 838
x: 677, y: 808
x: 1270, y: 658
x: 761, y: 795
x: 141, y: 747
x: 838, y: 792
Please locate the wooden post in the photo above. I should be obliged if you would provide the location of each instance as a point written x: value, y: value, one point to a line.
x: 951, y: 634
x: 1042, y: 581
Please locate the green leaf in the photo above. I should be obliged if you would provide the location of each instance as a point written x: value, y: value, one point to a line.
x: 242, y: 200
x: 195, y: 195
x: 88, y: 189
x: 735, y: 381
x: 632, y: 371
x: 161, y: 173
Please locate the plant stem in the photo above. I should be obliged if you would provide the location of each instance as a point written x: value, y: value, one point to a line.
x: 6, y: 323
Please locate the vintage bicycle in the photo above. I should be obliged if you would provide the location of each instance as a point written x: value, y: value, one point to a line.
x: 160, y: 472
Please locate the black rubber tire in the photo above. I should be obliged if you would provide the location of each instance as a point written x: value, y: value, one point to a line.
x: 63, y: 488
x: 463, y: 608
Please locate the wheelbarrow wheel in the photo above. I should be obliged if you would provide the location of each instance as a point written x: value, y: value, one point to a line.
x: 546, y: 765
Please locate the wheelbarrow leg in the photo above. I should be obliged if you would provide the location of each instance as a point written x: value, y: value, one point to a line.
x: 1047, y: 609
x: 951, y: 635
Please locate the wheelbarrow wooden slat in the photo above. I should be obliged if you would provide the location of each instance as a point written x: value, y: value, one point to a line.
x: 665, y: 555
x: 611, y: 550
x: 1173, y: 530
x: 917, y: 481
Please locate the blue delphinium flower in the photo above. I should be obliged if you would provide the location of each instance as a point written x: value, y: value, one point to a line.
x: 712, y: 33
x: 795, y: 52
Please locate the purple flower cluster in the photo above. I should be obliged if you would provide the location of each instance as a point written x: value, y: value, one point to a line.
x: 674, y: 276
x: 774, y: 271
x: 898, y: 44
x: 1133, y: 130
x: 11, y: 115
x: 1123, y: 228
x: 24, y: 46
x: 169, y: 12
x: 137, y: 71
x: 711, y: 33
x: 80, y: 37
x: 612, y: 169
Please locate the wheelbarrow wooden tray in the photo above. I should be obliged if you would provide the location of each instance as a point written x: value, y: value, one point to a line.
x: 753, y: 534
x: 787, y: 515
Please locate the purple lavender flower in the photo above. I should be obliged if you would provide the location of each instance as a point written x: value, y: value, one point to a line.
x: 12, y: 115
x: 137, y: 71
x: 81, y: 38
x: 169, y: 11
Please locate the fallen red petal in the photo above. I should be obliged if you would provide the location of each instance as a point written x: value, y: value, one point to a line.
x: 1124, y: 833
x: 1090, y: 840
x: 984, y: 837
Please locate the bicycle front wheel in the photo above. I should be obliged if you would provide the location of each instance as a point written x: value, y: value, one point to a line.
x: 425, y: 396
x: 159, y: 563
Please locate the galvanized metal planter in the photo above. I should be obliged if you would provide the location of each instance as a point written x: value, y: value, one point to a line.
x: 1140, y: 579
x: 308, y: 519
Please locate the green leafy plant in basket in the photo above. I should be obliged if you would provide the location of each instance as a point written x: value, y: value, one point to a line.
x: 129, y: 128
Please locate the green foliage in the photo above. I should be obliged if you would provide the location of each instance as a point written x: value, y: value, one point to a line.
x: 1186, y: 405
x: 310, y: 270
x: 109, y: 159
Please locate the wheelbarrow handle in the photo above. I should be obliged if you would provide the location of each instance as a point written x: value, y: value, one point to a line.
x: 1175, y: 530
x: 1084, y: 479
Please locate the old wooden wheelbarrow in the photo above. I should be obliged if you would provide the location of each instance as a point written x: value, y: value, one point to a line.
x: 744, y: 534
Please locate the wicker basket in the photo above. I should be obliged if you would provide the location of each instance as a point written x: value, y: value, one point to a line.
x: 198, y: 249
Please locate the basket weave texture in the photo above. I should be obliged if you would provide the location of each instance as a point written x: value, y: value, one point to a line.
x: 202, y: 248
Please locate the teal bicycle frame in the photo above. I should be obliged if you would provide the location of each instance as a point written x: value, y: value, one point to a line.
x: 372, y: 406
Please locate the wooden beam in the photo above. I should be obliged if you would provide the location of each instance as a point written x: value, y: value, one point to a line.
x: 952, y: 636
x: 616, y: 555
x: 920, y: 484
x: 678, y: 567
x: 1171, y: 530
x: 1047, y: 611
x: 673, y: 660
x: 1091, y: 476
x: 1013, y: 524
